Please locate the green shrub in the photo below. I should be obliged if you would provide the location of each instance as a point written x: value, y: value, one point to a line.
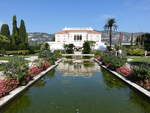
x: 116, y: 61
x: 142, y: 71
x: 58, y: 53
x: 48, y: 56
x: 106, y: 58
x: 135, y: 52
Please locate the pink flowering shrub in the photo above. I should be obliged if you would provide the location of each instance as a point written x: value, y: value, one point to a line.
x: 34, y: 70
x: 125, y: 71
x: 7, y: 85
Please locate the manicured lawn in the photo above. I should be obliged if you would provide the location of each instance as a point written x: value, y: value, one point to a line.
x: 139, y: 59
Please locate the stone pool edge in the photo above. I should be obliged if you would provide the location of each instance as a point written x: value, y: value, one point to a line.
x: 4, y: 100
x: 132, y: 84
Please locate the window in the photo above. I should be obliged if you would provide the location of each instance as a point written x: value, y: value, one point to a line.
x: 80, y: 37
x: 77, y: 37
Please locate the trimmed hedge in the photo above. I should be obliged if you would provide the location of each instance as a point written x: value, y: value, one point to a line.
x: 19, y: 52
x: 135, y: 52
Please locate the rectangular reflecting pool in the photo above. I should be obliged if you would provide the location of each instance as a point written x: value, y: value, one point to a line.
x: 78, y: 88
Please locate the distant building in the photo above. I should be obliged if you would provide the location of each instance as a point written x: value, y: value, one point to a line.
x: 76, y: 36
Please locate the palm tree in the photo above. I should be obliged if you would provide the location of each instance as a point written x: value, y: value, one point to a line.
x: 110, y: 26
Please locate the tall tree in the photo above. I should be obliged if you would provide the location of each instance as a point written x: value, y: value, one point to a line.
x: 5, y: 31
x: 14, y: 33
x: 23, y: 37
x: 110, y: 26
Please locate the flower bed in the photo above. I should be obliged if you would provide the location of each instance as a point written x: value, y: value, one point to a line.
x: 21, y: 78
x: 18, y: 72
x: 34, y: 70
x: 138, y: 74
x: 7, y: 85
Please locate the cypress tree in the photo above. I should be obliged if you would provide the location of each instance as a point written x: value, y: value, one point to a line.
x: 5, y: 31
x: 23, y: 35
x: 15, y: 40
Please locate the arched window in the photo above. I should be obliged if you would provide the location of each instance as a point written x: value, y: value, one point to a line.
x: 80, y: 37
x: 75, y: 37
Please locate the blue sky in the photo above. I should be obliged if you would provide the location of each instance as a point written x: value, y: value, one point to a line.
x: 52, y: 15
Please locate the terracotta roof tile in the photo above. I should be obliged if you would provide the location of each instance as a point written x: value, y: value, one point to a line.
x: 67, y: 31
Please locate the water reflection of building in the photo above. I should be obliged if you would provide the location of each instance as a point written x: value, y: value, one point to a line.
x: 77, y: 69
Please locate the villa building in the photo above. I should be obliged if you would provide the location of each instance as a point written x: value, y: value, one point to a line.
x: 76, y: 36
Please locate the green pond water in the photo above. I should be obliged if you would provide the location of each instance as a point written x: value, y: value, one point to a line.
x: 78, y: 88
